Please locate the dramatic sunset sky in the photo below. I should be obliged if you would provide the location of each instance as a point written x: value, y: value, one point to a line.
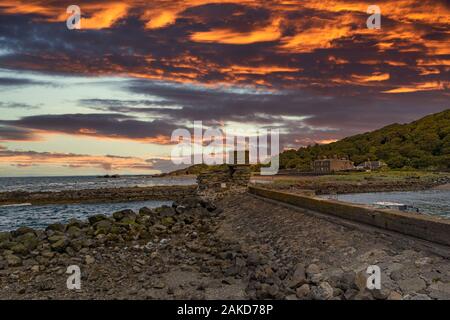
x: 106, y: 98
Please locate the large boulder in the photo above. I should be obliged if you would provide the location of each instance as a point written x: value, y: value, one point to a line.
x: 125, y: 216
x: 76, y: 223
x: 103, y: 227
x: 60, y: 245
x: 29, y: 241
x: 22, y: 230
x: 5, y: 238
x: 59, y: 227
x: 13, y: 260
x: 73, y: 231
x: 146, y: 212
x: 19, y: 249
x: 298, y: 278
x: 324, y: 291
x: 97, y: 218
x: 167, y: 212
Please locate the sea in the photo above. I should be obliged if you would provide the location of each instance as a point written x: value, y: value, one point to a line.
x: 40, y: 216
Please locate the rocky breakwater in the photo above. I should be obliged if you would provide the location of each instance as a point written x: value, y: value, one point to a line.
x: 168, y: 252
x: 98, y: 195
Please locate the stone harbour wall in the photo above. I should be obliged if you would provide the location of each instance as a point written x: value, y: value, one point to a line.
x: 431, y: 228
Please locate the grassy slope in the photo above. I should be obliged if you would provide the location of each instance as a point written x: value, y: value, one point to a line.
x: 424, y: 143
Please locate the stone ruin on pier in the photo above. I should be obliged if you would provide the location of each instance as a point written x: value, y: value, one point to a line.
x: 226, y: 178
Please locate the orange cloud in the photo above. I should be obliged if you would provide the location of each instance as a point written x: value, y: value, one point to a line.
x: 429, y: 86
x: 160, y: 20
x: 229, y: 36
x: 374, y: 77
x: 262, y: 70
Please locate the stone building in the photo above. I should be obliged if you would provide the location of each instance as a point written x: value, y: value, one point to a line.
x: 332, y: 165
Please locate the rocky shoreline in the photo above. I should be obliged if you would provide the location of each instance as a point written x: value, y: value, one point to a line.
x: 236, y: 248
x: 99, y: 195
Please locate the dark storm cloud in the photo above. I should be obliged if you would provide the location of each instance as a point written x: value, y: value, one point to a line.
x: 14, y: 82
x: 10, y: 133
x: 100, y: 125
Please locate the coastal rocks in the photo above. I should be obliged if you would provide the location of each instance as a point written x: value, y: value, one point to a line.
x: 58, y: 227
x: 89, y: 259
x: 74, y: 231
x: 97, y: 218
x: 103, y: 226
x: 303, y: 292
x: 324, y: 291
x: 59, y: 245
x: 28, y: 240
x: 166, y: 211
x: 19, y: 249
x: 21, y: 231
x: 125, y: 216
x: 299, y: 276
x: 13, y: 260
x: 412, y: 285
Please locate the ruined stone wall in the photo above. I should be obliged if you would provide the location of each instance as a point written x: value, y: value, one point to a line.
x: 232, y: 178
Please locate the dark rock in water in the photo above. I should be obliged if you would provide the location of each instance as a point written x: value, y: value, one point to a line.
x: 146, y: 212
x: 22, y: 230
x: 76, y: 223
x: 94, y: 219
x: 55, y: 227
x: 124, y: 214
